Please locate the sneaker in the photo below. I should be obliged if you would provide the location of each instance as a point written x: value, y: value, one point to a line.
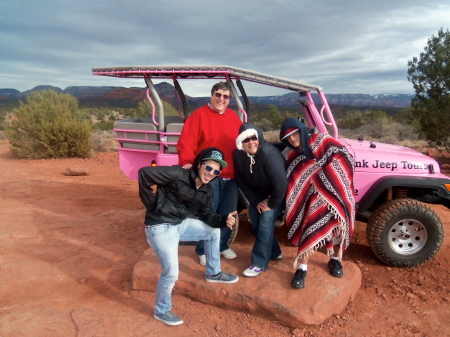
x: 252, y: 271
x: 278, y: 258
x: 202, y: 260
x: 228, y: 254
x: 336, y: 268
x: 222, y: 278
x: 168, y: 318
x: 298, y: 282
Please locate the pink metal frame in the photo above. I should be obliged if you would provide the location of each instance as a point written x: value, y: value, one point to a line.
x: 202, y: 74
x: 153, y: 106
x: 160, y: 142
x: 130, y: 168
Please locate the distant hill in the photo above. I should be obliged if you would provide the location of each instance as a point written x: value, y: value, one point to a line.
x: 9, y: 93
x: 129, y: 97
x: 389, y: 100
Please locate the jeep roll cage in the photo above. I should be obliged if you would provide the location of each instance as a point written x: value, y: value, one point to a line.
x: 227, y: 73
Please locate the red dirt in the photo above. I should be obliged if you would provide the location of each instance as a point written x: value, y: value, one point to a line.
x: 68, y: 245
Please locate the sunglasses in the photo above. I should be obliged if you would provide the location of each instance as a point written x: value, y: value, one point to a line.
x: 246, y: 140
x: 219, y: 95
x: 211, y: 169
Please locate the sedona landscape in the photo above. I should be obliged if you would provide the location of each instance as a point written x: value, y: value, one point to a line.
x: 79, y: 238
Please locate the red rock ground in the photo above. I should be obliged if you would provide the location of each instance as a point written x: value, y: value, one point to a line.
x: 68, y: 245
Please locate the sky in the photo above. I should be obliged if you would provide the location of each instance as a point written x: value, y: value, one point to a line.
x: 345, y: 47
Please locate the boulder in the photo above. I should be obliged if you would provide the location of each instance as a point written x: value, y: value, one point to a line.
x: 269, y: 295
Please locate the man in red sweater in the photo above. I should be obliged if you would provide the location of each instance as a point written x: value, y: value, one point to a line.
x: 214, y: 125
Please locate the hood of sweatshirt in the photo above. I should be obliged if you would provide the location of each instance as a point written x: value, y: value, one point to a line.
x: 248, y: 130
x: 294, y: 123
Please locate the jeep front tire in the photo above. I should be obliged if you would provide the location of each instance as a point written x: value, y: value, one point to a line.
x: 405, y: 233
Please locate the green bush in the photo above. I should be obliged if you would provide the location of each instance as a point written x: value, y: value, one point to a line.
x: 49, y: 125
x: 104, y: 125
x: 352, y: 120
x: 144, y: 109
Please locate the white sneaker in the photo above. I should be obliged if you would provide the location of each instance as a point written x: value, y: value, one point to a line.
x: 252, y: 271
x: 228, y: 254
x: 202, y: 260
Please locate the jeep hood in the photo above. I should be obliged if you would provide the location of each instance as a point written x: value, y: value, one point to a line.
x: 387, y: 158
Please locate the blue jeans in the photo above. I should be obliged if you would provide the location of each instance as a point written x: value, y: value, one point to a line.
x: 266, y: 246
x: 164, y: 240
x: 226, y: 194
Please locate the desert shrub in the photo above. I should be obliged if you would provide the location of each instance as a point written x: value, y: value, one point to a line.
x: 104, y: 125
x: 375, y: 130
x: 352, y: 120
x: 104, y: 141
x: 385, y: 131
x: 406, y: 131
x: 272, y: 136
x: 376, y: 116
x: 264, y: 124
x: 2, y: 120
x: 270, y: 118
x: 49, y: 125
x: 144, y: 109
x: 388, y: 139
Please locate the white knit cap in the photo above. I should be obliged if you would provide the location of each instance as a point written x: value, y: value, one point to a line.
x: 244, y: 135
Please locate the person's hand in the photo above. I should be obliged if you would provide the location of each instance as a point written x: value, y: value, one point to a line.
x: 231, y: 220
x: 187, y: 166
x: 263, y: 206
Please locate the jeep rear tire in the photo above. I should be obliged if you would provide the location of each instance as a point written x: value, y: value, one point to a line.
x: 405, y: 233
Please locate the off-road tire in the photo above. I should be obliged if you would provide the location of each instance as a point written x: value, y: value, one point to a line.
x: 234, y: 231
x: 405, y: 233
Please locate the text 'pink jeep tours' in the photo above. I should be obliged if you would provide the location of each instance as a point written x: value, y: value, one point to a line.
x: 393, y: 184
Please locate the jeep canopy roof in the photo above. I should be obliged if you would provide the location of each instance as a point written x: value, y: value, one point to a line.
x: 204, y: 72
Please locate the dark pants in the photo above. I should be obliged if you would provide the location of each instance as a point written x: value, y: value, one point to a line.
x: 226, y: 194
x: 266, y: 246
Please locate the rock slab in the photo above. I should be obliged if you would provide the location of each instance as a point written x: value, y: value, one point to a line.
x: 269, y: 295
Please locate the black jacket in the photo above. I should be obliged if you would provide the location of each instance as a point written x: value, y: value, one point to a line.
x: 176, y: 196
x: 265, y: 176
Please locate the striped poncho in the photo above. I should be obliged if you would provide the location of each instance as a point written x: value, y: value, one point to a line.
x: 320, y: 199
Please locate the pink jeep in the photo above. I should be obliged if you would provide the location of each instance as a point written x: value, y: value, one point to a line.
x: 393, y: 184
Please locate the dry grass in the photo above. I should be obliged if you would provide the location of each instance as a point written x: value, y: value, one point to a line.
x: 272, y: 136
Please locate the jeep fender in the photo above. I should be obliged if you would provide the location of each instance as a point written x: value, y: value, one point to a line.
x: 429, y: 183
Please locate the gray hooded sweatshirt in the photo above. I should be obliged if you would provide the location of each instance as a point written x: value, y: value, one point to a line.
x: 263, y: 174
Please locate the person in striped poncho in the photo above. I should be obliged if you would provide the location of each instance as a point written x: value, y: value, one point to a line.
x: 320, y: 197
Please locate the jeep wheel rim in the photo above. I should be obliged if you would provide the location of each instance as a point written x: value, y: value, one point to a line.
x: 407, y: 237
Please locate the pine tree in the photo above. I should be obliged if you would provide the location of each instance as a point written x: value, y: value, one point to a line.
x: 430, y: 76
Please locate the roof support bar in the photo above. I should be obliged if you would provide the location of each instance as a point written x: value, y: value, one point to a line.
x: 157, y: 100
x: 182, y: 97
x: 241, y: 111
x: 244, y: 95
